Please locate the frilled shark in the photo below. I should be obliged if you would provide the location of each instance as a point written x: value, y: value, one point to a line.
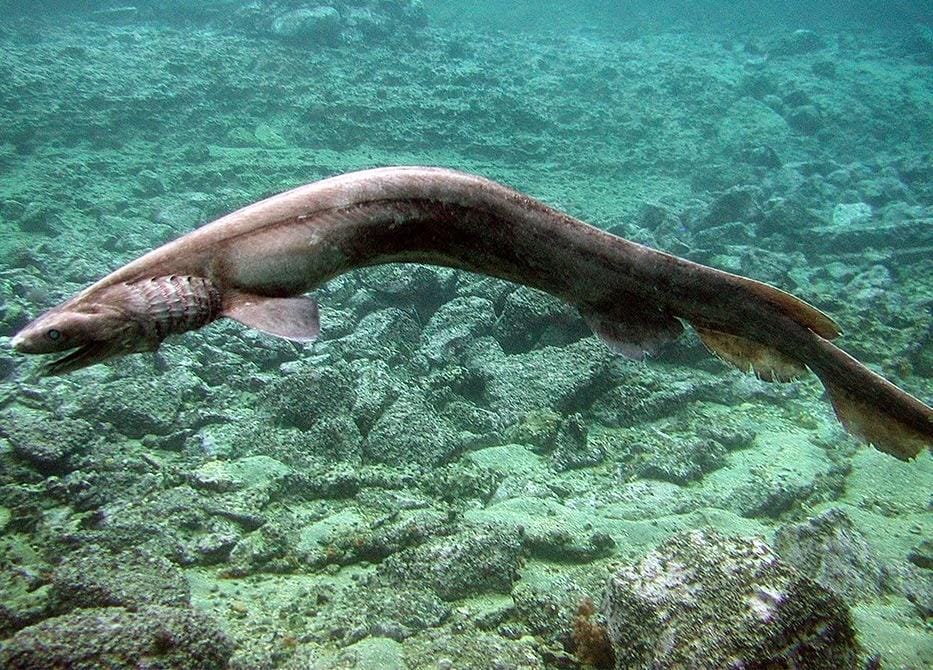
x: 256, y: 264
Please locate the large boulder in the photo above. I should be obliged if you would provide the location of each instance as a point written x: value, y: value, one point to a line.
x: 703, y: 600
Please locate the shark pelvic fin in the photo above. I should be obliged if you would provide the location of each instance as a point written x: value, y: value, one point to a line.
x: 289, y: 318
x: 635, y: 336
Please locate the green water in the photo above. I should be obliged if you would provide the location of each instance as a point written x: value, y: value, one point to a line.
x: 457, y: 463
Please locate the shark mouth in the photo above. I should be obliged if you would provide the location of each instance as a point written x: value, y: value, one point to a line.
x: 83, y: 356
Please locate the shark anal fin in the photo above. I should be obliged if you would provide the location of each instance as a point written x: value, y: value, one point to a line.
x: 289, y: 318
x: 636, y: 335
x: 768, y: 364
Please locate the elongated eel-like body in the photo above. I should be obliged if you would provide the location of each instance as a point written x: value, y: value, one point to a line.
x: 250, y: 265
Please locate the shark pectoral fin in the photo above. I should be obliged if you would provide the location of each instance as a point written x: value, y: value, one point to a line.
x: 289, y: 318
x: 768, y: 364
x: 637, y: 335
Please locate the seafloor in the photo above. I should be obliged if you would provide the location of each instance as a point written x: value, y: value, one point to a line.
x: 456, y: 465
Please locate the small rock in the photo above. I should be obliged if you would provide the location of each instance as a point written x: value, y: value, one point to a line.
x: 411, y: 431
x: 678, y: 460
x: 376, y: 389
x: 799, y: 42
x: 739, y: 203
x: 525, y: 317
x: 308, y: 394
x: 383, y: 335
x: 40, y: 220
x: 806, y: 119
x: 846, y: 215
x: 223, y: 476
x: 336, y: 439
x: 480, y: 560
x: 318, y: 25
x: 135, y: 407
x: 922, y: 555
x: 572, y: 449
x: 458, y: 321
x: 563, y: 379
x: 397, y: 612
x: 48, y: 444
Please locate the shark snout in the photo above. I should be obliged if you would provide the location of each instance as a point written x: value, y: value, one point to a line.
x: 18, y: 343
x: 30, y: 340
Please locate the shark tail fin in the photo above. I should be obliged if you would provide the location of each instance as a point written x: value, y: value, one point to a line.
x: 866, y: 404
x: 872, y: 408
x: 876, y: 426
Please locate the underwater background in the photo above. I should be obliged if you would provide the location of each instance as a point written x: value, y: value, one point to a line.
x: 457, y: 474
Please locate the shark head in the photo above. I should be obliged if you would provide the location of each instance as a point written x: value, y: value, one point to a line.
x: 85, y: 329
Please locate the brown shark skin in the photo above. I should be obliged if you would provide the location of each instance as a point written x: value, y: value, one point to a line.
x: 294, y: 242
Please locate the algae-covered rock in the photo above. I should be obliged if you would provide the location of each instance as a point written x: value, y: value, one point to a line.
x: 922, y: 555
x: 846, y: 215
x: 376, y: 388
x: 526, y: 316
x: 312, y: 25
x: 309, y: 393
x: 252, y: 471
x: 136, y: 407
x: 833, y: 552
x: 386, y: 335
x: 95, y: 577
x: 155, y: 638
x: 396, y: 612
x: 482, y: 560
x: 537, y: 428
x: 798, y: 42
x: 706, y: 601
x: 454, y: 324
x: 411, y: 431
x: 49, y: 444
x: 566, y: 379
x: 749, y: 123
x: 679, y: 460
x: 335, y: 439
x: 572, y: 449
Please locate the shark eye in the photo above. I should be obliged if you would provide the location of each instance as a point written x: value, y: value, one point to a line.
x: 54, y: 334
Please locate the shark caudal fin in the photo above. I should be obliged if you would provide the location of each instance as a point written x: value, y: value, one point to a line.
x: 868, y: 406
x: 872, y: 408
x: 877, y: 427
